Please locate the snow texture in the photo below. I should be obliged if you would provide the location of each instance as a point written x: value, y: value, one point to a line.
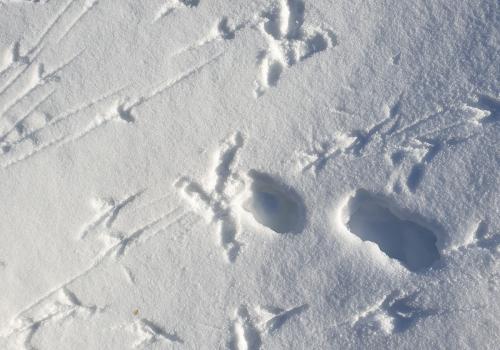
x: 233, y: 174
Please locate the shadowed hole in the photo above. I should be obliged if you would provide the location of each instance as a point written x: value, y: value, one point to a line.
x: 274, y: 205
x: 371, y: 219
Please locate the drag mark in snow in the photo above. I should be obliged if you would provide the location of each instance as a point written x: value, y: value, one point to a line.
x: 149, y: 333
x: 57, y: 299
x: 352, y: 143
x: 53, y: 121
x: 222, y: 30
x: 289, y: 41
x: 40, y: 79
x: 417, y: 154
x: 321, y: 152
x: 395, y: 313
x: 409, y: 149
x: 272, y: 319
x: 171, y: 5
x: 87, y: 6
x: 108, y: 210
x: 121, y: 110
x: 55, y: 309
x: 247, y: 331
x: 243, y: 334
x: 145, y: 233
x: 34, y: 52
x: 14, y: 59
x: 215, y: 204
x: 19, y: 124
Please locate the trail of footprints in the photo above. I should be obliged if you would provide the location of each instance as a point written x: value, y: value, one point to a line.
x: 223, y: 198
x: 282, y: 24
x: 27, y: 87
x: 408, y: 149
x: 289, y: 41
x: 395, y: 313
x: 56, y: 309
x: 228, y: 194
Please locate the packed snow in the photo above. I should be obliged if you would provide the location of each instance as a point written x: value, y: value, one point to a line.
x: 249, y: 175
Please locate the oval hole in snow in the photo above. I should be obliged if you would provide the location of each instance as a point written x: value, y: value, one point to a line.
x: 401, y: 238
x: 274, y: 205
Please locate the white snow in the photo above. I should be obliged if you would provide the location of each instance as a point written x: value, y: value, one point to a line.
x: 232, y: 174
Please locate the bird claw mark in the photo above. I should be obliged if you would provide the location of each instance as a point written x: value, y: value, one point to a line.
x: 149, y: 333
x: 395, y: 313
x: 480, y: 236
x: 289, y: 41
x: 243, y: 334
x: 118, y: 242
x: 216, y: 204
x: 247, y: 332
x: 119, y: 111
x: 418, y: 153
x: 273, y: 318
x: 172, y: 5
x: 484, y: 109
x: 320, y: 153
x: 108, y: 210
x: 60, y: 307
x: 223, y: 30
x: 410, y: 149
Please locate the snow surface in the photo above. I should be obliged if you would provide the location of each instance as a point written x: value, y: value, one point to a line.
x: 233, y: 174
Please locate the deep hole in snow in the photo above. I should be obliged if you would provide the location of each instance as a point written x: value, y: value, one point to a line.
x: 274, y: 205
x: 400, y: 238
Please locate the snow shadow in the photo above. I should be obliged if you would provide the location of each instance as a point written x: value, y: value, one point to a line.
x: 275, y: 205
x: 371, y: 219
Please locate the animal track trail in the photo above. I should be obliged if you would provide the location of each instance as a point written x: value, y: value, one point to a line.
x: 121, y: 111
x: 289, y: 41
x: 16, y: 81
x: 55, y: 310
x: 396, y: 313
x: 400, y: 237
x: 36, y: 50
x: 417, y: 153
x: 320, y: 152
x: 215, y: 204
x: 108, y: 210
x: 40, y: 78
x: 247, y: 331
x: 353, y: 143
x: 223, y: 30
x: 149, y: 333
x: 269, y: 202
x: 410, y: 149
x: 59, y: 302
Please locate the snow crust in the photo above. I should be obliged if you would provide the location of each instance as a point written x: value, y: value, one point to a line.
x: 233, y: 174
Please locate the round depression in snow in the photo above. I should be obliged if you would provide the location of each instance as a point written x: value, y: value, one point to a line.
x: 274, y: 205
x: 402, y: 238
